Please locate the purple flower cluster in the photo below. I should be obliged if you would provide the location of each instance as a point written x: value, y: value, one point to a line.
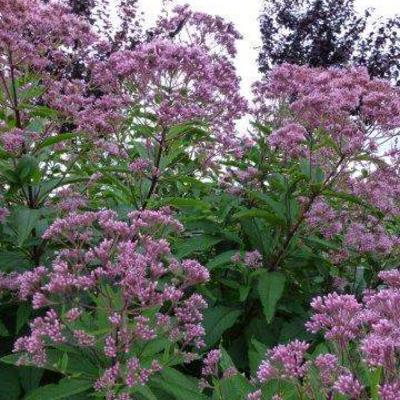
x: 290, y: 139
x: 284, y: 362
x: 100, y: 254
x: 175, y: 82
x: 210, y: 363
x: 252, y: 259
x: 338, y: 316
x: 39, y: 34
x: 329, y: 99
x: 360, y: 332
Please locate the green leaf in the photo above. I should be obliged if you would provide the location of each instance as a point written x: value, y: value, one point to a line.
x: 319, y: 175
x: 294, y: 329
x: 23, y: 314
x: 63, y: 390
x: 260, y: 236
x: 11, y: 359
x: 217, y: 320
x: 42, y: 111
x: 287, y: 389
x: 178, y: 385
x: 270, y: 289
x: 78, y: 364
x: 13, y: 260
x: 221, y: 259
x: 256, y: 354
x: 143, y: 391
x: 30, y: 377
x: 57, y: 139
x: 305, y: 168
x: 10, y: 388
x: 263, y: 214
x: 3, y: 330
x: 196, y: 243
x: 322, y: 243
x: 156, y: 346
x: 28, y: 169
x: 178, y: 131
x: 375, y: 378
x: 276, y: 206
x: 235, y: 387
x: 184, y: 203
x: 24, y: 220
x: 346, y: 196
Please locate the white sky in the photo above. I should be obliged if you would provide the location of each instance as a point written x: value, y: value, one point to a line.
x: 244, y: 14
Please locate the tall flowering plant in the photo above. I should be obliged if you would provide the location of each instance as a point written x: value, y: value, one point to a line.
x: 106, y: 135
x: 310, y: 204
x: 44, y: 123
x: 358, y: 359
x: 181, y: 100
x: 115, y: 293
x: 335, y: 131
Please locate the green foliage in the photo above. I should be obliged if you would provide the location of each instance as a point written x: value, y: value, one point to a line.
x: 251, y: 308
x: 217, y: 320
x: 270, y: 289
x: 65, y: 389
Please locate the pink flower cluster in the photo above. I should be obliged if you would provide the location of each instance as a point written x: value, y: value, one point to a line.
x: 338, y: 316
x: 177, y: 83
x: 380, y: 346
x: 361, y: 332
x: 252, y: 259
x: 39, y: 35
x: 325, y: 218
x: 284, y: 362
x: 13, y: 141
x: 331, y: 116
x: 183, y: 74
x: 328, y: 98
x: 50, y: 42
x: 203, y: 29
x: 210, y: 363
x: 370, y: 237
x: 100, y: 254
x: 290, y: 139
x: 381, y: 188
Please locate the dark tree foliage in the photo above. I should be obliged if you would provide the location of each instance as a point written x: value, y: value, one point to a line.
x: 328, y: 33
x: 83, y: 7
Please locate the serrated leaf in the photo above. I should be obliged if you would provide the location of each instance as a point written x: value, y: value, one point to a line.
x: 28, y: 169
x: 62, y: 390
x: 24, y: 220
x: 23, y: 314
x: 270, y: 289
x: 10, y: 388
x: 217, y: 320
x: 221, y: 259
x: 77, y: 364
x: 57, y: 139
x: 196, y: 243
x: 259, y: 213
x: 235, y: 387
x: 13, y: 260
x: 3, y: 330
x: 144, y: 391
x: 323, y: 243
x: 178, y: 385
x: 375, y: 378
x: 184, y: 203
x: 256, y: 354
x: 30, y: 377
